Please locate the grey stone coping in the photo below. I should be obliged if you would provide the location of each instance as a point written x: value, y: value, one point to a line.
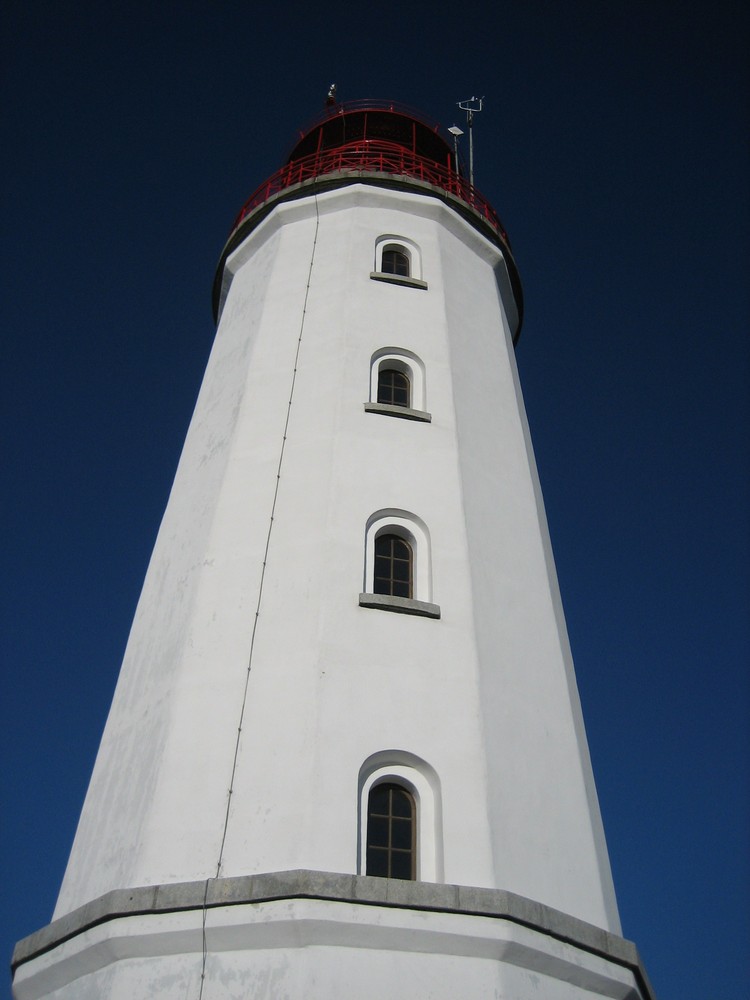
x: 401, y: 605
x: 365, y: 890
x: 398, y: 411
x: 397, y: 279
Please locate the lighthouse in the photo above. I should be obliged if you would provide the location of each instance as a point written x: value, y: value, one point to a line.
x: 345, y: 756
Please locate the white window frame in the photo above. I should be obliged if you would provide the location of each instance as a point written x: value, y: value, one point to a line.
x: 421, y: 780
x: 394, y: 521
x: 413, y: 367
x: 389, y: 241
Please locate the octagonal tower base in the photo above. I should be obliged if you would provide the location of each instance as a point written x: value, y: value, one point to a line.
x: 306, y: 935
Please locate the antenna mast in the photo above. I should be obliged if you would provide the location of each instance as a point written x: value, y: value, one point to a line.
x: 470, y: 107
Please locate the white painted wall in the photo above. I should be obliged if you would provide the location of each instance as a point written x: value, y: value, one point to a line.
x: 486, y: 695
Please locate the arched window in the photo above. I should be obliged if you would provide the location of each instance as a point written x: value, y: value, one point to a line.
x: 398, y: 261
x: 391, y: 832
x: 394, y: 387
x: 416, y: 801
x: 398, y: 385
x: 397, y: 570
x: 393, y: 566
x: 395, y: 261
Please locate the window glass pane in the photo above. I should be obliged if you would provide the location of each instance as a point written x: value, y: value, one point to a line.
x: 377, y: 862
x: 401, y: 802
x: 379, y: 800
x: 401, y: 864
x: 393, y: 387
x: 382, y: 566
x: 400, y: 548
x: 400, y: 383
x: 392, y: 571
x: 401, y: 834
x: 400, y: 396
x: 383, y: 545
x: 393, y: 828
x: 377, y: 831
x: 395, y: 262
x: 401, y: 570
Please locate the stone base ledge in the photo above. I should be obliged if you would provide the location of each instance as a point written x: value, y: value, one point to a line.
x: 404, y: 412
x: 400, y: 605
x: 605, y: 950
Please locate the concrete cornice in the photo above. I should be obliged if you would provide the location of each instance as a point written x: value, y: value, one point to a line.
x: 360, y: 889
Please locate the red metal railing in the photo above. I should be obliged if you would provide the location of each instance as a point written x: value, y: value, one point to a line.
x: 368, y: 156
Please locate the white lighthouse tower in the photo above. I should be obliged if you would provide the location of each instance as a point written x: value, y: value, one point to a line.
x: 345, y: 757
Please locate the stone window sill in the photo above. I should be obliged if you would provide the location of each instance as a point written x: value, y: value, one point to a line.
x: 400, y: 605
x: 398, y: 411
x: 397, y: 279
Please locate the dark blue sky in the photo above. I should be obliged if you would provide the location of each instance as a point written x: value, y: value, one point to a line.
x: 613, y: 145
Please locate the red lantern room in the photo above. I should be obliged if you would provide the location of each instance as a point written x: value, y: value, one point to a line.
x: 372, y: 142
